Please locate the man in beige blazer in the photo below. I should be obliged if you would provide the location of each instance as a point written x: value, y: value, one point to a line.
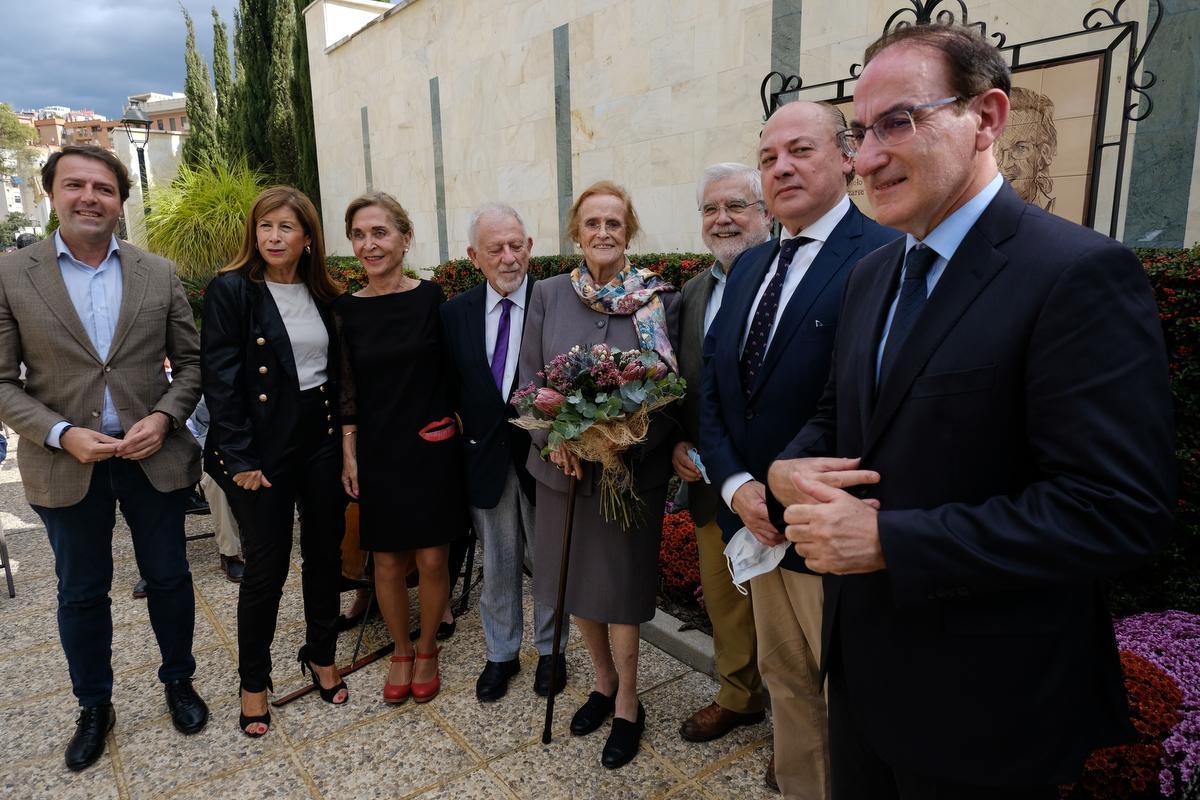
x: 92, y: 320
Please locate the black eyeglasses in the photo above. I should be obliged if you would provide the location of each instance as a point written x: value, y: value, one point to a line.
x: 889, y: 129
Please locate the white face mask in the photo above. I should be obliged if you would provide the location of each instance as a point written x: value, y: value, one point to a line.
x: 747, y: 557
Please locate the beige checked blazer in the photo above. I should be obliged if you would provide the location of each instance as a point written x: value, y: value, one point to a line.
x: 65, y: 377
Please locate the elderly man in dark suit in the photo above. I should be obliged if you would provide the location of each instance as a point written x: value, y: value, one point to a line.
x: 994, y: 440
x: 767, y: 357
x: 93, y: 319
x: 483, y: 328
x: 732, y: 220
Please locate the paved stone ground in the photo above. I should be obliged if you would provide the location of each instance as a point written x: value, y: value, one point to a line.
x: 452, y: 747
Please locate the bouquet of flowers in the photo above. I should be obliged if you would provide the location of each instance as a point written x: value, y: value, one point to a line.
x: 596, y: 404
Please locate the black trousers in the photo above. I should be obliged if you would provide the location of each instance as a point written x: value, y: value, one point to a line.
x: 858, y: 773
x: 309, y: 481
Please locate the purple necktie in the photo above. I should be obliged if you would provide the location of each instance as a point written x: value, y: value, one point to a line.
x: 500, y: 354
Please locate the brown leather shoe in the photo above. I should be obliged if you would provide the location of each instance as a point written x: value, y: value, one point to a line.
x: 713, y: 722
x: 769, y: 777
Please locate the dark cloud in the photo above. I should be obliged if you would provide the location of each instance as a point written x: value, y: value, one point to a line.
x: 95, y: 53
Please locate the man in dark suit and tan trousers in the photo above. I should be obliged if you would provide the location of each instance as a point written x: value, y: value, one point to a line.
x: 995, y: 439
x: 484, y: 326
x: 732, y: 220
x: 767, y: 357
x: 92, y: 319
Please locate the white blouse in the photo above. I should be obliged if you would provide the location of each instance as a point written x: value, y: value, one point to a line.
x: 306, y: 330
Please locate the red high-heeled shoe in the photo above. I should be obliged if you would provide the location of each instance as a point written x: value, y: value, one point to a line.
x: 424, y: 692
x: 397, y: 692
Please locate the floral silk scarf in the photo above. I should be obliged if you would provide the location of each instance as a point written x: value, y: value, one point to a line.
x: 631, y: 292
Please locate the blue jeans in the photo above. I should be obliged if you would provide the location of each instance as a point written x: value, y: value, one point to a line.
x: 81, y: 537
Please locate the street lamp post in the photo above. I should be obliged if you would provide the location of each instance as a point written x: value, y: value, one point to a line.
x: 137, y: 128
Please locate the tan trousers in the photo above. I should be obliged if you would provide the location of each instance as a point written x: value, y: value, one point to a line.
x: 787, y: 616
x: 228, y: 541
x: 734, y: 644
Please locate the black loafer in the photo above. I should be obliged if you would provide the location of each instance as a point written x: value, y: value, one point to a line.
x: 541, y: 678
x: 233, y: 567
x: 591, y: 715
x: 87, y: 745
x: 623, y: 740
x: 188, y: 711
x: 493, y: 681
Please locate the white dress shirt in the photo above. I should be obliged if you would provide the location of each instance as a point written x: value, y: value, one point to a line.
x: 516, y: 324
x: 819, y: 232
x: 714, y: 299
x: 96, y: 294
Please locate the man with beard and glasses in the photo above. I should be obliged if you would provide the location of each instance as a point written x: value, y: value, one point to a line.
x: 767, y: 356
x: 732, y: 220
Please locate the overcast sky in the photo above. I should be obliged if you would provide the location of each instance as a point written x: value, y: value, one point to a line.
x: 95, y: 53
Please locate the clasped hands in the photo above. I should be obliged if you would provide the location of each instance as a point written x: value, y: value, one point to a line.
x: 834, y: 531
x: 141, y: 441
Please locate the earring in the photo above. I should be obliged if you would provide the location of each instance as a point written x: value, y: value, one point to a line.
x: 307, y: 248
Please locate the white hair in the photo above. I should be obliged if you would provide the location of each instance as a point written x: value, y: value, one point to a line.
x: 730, y: 169
x: 489, y: 209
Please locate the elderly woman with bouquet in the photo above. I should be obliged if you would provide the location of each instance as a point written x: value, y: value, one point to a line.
x: 613, y: 566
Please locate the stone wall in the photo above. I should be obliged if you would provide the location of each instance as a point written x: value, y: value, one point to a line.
x: 451, y: 103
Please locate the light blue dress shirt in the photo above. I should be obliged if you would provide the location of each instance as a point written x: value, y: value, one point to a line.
x: 96, y: 294
x: 943, y: 240
x: 714, y: 299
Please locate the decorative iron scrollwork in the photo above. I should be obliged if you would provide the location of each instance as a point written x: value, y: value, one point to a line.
x: 787, y: 83
x: 1134, y: 112
x: 926, y: 12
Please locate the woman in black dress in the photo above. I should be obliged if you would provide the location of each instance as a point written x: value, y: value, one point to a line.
x: 269, y: 366
x: 399, y: 436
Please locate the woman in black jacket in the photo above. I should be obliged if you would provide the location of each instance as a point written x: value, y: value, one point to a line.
x: 269, y: 364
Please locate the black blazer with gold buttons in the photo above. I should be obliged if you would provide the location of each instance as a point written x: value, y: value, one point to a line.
x: 249, y: 380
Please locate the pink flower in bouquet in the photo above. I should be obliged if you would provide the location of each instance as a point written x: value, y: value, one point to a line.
x: 633, y: 372
x: 548, y: 401
x: 660, y: 370
x: 606, y: 375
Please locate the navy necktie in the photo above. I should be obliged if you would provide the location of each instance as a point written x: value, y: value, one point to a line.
x: 908, y: 307
x: 764, y: 316
x: 500, y: 353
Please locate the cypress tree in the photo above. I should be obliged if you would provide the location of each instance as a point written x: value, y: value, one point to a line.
x: 307, y: 179
x: 228, y: 140
x: 252, y: 50
x: 281, y: 117
x: 200, y: 147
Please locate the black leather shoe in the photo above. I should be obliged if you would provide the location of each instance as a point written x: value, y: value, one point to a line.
x: 188, y: 711
x: 591, y: 715
x: 233, y: 567
x: 541, y: 678
x: 493, y: 681
x: 87, y: 745
x: 623, y: 740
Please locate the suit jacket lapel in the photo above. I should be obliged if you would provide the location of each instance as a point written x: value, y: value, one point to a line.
x: 474, y: 330
x: 878, y: 300
x: 829, y: 261
x: 133, y: 289
x: 47, y: 279
x: 975, y: 264
x: 274, y: 330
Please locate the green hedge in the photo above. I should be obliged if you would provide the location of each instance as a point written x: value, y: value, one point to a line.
x: 1173, y: 579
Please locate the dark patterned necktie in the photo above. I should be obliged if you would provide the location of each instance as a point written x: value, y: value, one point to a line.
x: 500, y: 353
x: 912, y: 299
x: 764, y: 316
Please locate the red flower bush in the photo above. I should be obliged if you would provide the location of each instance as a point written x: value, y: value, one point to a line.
x: 678, y: 557
x: 1131, y: 771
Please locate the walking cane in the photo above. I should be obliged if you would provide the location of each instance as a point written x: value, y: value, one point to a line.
x: 568, y: 524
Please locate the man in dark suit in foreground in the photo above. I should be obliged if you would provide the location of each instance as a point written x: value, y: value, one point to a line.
x: 766, y: 360
x: 998, y: 438
x: 483, y: 329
